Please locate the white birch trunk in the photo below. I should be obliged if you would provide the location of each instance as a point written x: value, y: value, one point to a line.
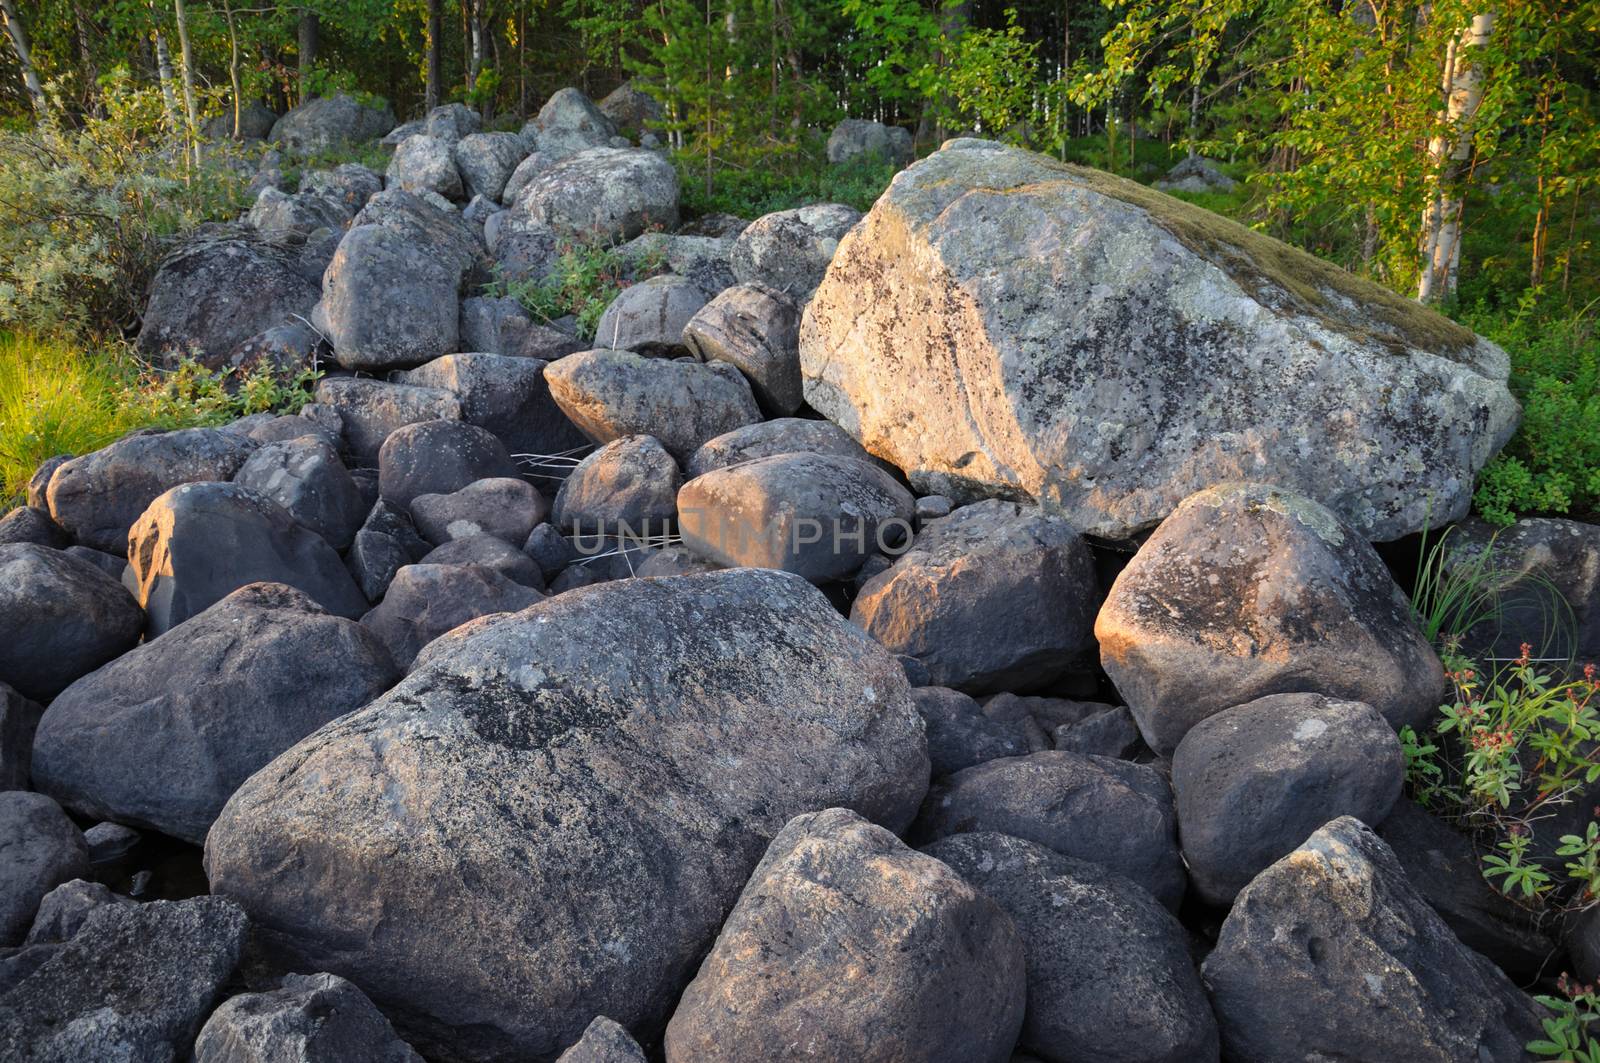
x: 1448, y: 154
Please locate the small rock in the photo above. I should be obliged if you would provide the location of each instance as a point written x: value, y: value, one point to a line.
x: 1112, y: 733
x: 316, y: 1018
x: 25, y: 524
x: 438, y: 457
x: 649, y: 317
x: 960, y: 735
x: 505, y: 508
x: 306, y: 478
x: 369, y: 410
x: 386, y: 543
x: 782, y: 435
x: 488, y: 552
x: 64, y: 910
x: 427, y: 600
x: 628, y: 487
x: 43, y: 849
x: 604, y: 1042
x: 549, y: 549
x: 110, y: 845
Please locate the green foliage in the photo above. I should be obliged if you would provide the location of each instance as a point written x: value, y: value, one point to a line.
x: 988, y: 80
x: 1568, y: 1035
x: 586, y: 278
x: 785, y: 182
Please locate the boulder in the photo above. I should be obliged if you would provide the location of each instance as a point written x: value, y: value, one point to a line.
x: 209, y: 702
x: 433, y: 226
x: 1543, y: 579
x: 254, y: 121
x: 606, y: 767
x: 425, y: 601
x: 134, y: 983
x: 524, y: 251
x: 604, y: 1042
x: 701, y: 259
x: 438, y: 457
x: 329, y: 122
x: 505, y: 508
x: 19, y: 718
x: 39, y: 482
x: 604, y: 194
x: 856, y: 947
x: 488, y: 552
x: 530, y: 167
x: 486, y: 162
x: 60, y: 618
x: 673, y: 561
x: 25, y: 524
x: 1064, y: 334
x: 451, y: 122
x: 1330, y: 953
x: 756, y: 329
x: 1247, y: 590
x: 790, y: 249
x: 628, y: 487
x: 861, y: 138
x: 649, y: 317
x: 567, y: 124
x: 1109, y: 974
x: 306, y: 478
x: 996, y: 596
x: 1252, y: 782
x: 1093, y: 808
x: 960, y: 735
x: 370, y: 410
x: 493, y: 324
x: 288, y: 350
x: 315, y: 1018
x: 386, y: 543
x: 1196, y: 174
x: 550, y: 550
x: 275, y: 212
x: 611, y: 394
x: 98, y: 497
x: 43, y: 849
x: 218, y: 288
x: 349, y: 184
x: 388, y: 302
x: 64, y: 910
x: 631, y: 109
x: 1110, y: 733
x: 505, y: 394
x: 200, y: 542
x: 424, y: 163
x: 817, y: 515
x: 784, y: 435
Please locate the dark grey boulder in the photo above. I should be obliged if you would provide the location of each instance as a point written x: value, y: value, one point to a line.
x: 60, y: 618
x: 1248, y: 590
x: 386, y: 543
x: 1094, y: 808
x: 98, y: 497
x: 627, y: 487
x: 1110, y: 979
x: 996, y: 596
x: 493, y: 324
x: 290, y: 427
x: 19, y: 718
x: 488, y: 552
x: 522, y: 250
x: 757, y: 330
x: 349, y: 184
x: 162, y: 736
x: 1252, y: 782
x: 254, y: 121
x: 506, y: 394
x: 486, y: 162
x: 603, y: 195
x: 388, y: 302
x: 437, y: 229
x: 630, y: 108
x: 275, y: 213
x: 39, y: 482
x: 503, y: 507
x: 64, y: 910
x: 438, y: 457
x: 649, y: 317
x: 790, y: 250
x: 612, y: 763
x: 198, y: 543
x: 424, y: 601
x: 854, y: 946
x: 673, y: 561
x: 783, y: 435
x: 1330, y: 953
x: 814, y: 514
x: 134, y: 983
x: 309, y: 1018
x: 423, y: 163
x: 112, y: 565
x: 549, y: 549
x: 111, y: 845
x: 306, y: 478
x: 960, y: 735
x: 329, y: 122
x: 604, y: 1042
x: 288, y: 350
x: 1111, y: 733
x: 25, y: 524
x: 42, y: 850
x: 611, y: 394
x: 452, y: 122
x: 369, y: 410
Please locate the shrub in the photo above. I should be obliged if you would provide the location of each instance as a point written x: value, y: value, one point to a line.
x: 783, y: 182
x: 586, y: 278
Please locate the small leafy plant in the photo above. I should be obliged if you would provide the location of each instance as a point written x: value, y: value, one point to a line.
x: 1567, y: 1029
x: 586, y: 278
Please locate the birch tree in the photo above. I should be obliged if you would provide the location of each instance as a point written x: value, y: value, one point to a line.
x: 1449, y: 157
x: 19, y: 43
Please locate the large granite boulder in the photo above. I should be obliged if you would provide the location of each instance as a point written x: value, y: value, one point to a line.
x: 757, y: 329
x: 604, y: 194
x: 569, y: 123
x: 555, y: 811
x: 1063, y: 334
x: 438, y: 458
x: 1248, y: 590
x: 42, y: 850
x: 629, y: 487
x: 631, y: 109
x: 857, y: 138
x: 301, y: 214
x: 162, y: 736
x: 388, y: 301
x: 306, y: 477
x: 423, y: 163
x: 370, y: 410
x: 789, y: 250
x: 486, y: 162
x: 60, y: 618
x: 330, y: 122
x: 433, y: 225
x: 649, y: 317
x: 782, y: 435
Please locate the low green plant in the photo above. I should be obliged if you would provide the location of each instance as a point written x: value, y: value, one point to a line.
x: 1567, y: 1029
x: 586, y: 278
x: 788, y: 179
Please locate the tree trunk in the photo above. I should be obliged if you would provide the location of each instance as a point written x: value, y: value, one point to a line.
x: 19, y: 41
x: 169, y: 102
x: 87, y: 33
x: 430, y: 98
x: 234, y: 80
x: 475, y: 45
x: 186, y: 68
x: 1448, y: 154
x: 310, y: 39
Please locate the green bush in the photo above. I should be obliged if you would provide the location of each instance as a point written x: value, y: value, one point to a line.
x: 587, y: 277
x: 785, y: 181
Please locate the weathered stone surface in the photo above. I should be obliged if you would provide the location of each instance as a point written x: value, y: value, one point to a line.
x: 503, y: 507
x: 1330, y: 953
x: 254, y: 122
x: 631, y: 109
x: 1544, y: 579
x: 493, y: 324
x: 702, y: 259
x: 649, y: 317
x: 389, y: 302
x: 488, y: 552
x: 64, y: 910
x: 370, y: 410
x: 569, y: 123
x: 39, y: 482
x: 1109, y: 974
x: 1110, y: 733
x: 60, y: 618
x: 673, y: 561
x: 386, y: 543
x: 1093, y: 808
x: 505, y: 394
x: 288, y: 349
x: 200, y: 542
x: 817, y: 515
x: 604, y: 1042
x: 757, y: 329
x: 486, y: 162
x: 438, y: 457
x: 306, y: 478
x: 451, y: 122
x: 349, y: 184
x: 19, y: 718
x: 316, y: 1018
x: 330, y: 121
x: 98, y: 497
x: 604, y: 194
x: 856, y: 138
x: 425, y: 601
x: 162, y: 736
x: 1254, y: 781
x: 858, y: 948
x: 960, y: 735
x: 276, y: 212
x: 424, y: 163
x: 523, y: 250
x: 790, y: 250
x: 1248, y: 590
x: 42, y: 850
x: 784, y: 435
x: 996, y: 596
x: 1196, y: 174
x: 1059, y: 333
x: 549, y: 549
x: 25, y: 524
x: 220, y: 287
x: 611, y: 394
x: 610, y: 764
x: 133, y: 984
x: 631, y: 482
x: 434, y: 226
